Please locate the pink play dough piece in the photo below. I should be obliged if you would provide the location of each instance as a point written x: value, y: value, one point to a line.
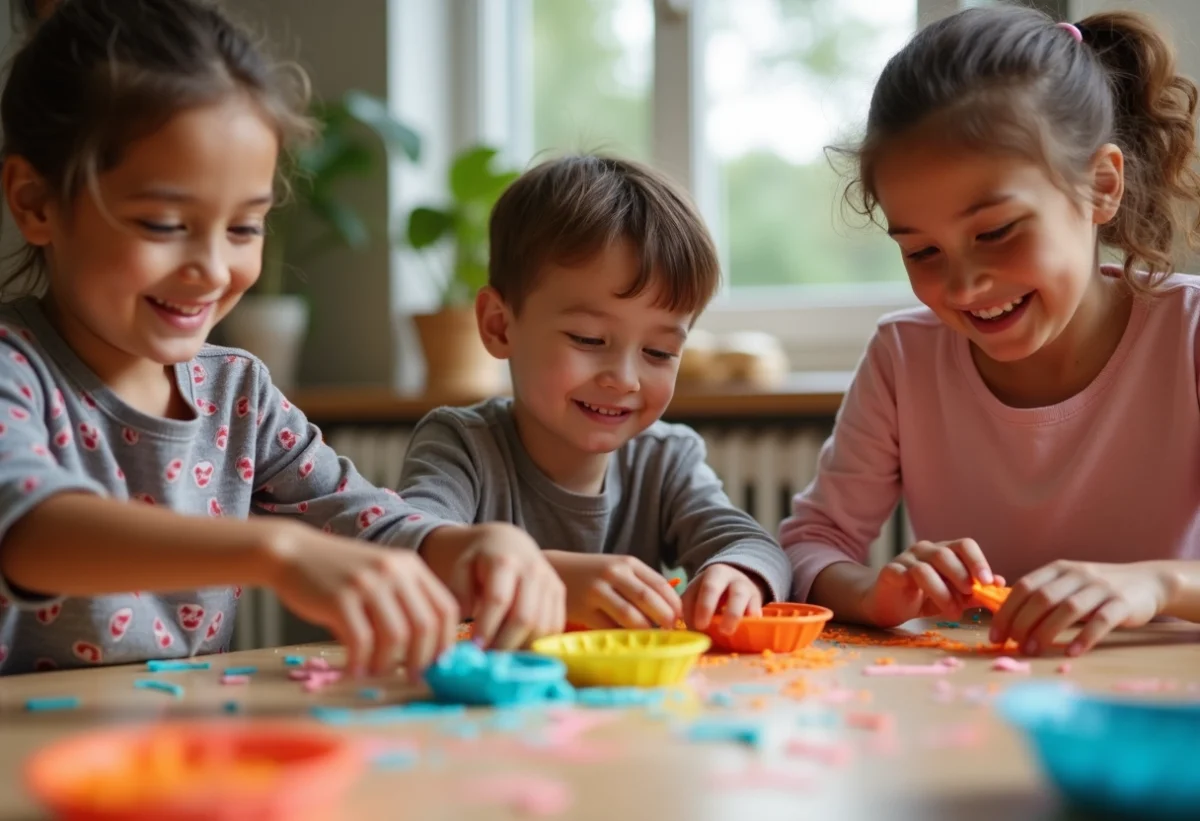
x: 938, y: 669
x: 1005, y: 664
x: 235, y: 679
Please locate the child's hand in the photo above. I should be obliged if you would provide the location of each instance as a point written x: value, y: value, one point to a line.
x: 928, y: 579
x: 381, y: 604
x: 509, y: 588
x: 1063, y: 593
x: 606, y: 591
x: 724, y: 586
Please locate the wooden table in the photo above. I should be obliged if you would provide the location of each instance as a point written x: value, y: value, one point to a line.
x: 933, y: 770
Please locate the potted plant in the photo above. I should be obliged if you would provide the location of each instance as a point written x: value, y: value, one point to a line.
x: 271, y: 320
x: 457, y: 366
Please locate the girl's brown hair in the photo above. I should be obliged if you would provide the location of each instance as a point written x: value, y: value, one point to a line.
x: 94, y: 75
x: 1009, y: 79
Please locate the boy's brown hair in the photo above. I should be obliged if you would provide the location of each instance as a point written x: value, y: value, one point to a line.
x: 568, y: 209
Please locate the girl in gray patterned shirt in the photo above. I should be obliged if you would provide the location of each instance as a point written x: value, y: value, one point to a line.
x: 140, y: 149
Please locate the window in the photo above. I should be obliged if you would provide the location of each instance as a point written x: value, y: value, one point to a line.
x: 591, y: 70
x: 783, y: 79
x: 746, y: 95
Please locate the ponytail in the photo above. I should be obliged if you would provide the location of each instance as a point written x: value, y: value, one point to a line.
x: 1155, y: 128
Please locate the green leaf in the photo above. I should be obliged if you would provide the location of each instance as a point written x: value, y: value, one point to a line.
x: 471, y: 174
x: 352, y: 160
x: 427, y: 226
x: 373, y: 113
x: 344, y: 221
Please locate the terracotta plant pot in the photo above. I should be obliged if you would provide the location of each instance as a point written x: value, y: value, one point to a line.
x: 457, y: 366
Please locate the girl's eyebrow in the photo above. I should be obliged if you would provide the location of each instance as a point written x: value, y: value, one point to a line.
x: 996, y: 198
x: 175, y: 196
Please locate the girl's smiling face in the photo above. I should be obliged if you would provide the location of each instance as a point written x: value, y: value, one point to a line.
x: 142, y: 273
x: 992, y: 245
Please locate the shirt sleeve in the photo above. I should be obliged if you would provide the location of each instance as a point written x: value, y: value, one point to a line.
x: 297, y: 474
x: 857, y: 485
x: 703, y: 527
x: 33, y: 429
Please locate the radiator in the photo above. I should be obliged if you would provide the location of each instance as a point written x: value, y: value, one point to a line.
x: 760, y: 467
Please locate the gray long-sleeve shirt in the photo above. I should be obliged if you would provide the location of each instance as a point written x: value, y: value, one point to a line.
x: 247, y: 448
x: 660, y: 502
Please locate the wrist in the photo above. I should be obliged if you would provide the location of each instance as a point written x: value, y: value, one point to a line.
x: 1171, y: 583
x: 273, y: 546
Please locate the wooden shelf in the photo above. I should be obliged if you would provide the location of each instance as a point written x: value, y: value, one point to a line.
x: 808, y: 394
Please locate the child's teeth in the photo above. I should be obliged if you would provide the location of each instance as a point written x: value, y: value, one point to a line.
x: 186, y: 310
x: 602, y: 411
x: 992, y: 313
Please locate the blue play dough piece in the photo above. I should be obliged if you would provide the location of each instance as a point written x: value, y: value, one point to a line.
x: 51, y: 704
x: 163, y: 686
x: 293, y: 661
x: 619, y: 697
x: 741, y: 732
x: 166, y: 666
x: 393, y: 714
x: 719, y: 699
x: 949, y: 624
x: 1123, y: 757
x: 465, y: 674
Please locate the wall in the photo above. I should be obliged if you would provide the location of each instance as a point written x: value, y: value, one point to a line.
x: 351, y: 337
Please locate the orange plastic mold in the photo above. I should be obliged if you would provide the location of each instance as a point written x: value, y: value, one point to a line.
x: 187, y: 771
x: 989, y: 595
x: 784, y: 627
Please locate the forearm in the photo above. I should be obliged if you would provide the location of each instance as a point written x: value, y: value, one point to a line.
x: 1183, y: 589
x: 843, y: 587
x: 76, y: 544
x: 443, y: 547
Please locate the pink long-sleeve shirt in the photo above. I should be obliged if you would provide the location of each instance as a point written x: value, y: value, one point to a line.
x: 1110, y: 475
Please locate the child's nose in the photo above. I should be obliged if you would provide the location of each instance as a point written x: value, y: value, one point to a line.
x: 621, y: 374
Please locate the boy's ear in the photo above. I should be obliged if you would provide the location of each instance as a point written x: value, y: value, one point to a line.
x: 29, y: 200
x: 494, y: 318
x: 1108, y: 182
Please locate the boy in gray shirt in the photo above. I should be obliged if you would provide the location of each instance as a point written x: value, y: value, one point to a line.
x: 598, y: 268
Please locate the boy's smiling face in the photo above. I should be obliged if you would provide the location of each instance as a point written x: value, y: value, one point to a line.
x: 590, y: 369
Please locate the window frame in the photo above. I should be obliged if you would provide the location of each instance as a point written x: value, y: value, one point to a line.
x: 821, y: 328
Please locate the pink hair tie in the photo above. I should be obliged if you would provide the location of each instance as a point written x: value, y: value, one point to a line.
x: 1073, y: 30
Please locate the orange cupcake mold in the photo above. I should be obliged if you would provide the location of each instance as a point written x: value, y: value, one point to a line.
x: 784, y: 627
x: 195, y: 770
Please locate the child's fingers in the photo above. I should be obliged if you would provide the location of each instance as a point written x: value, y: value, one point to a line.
x: 422, y: 628
x: 1003, y: 619
x: 492, y: 602
x: 445, y: 610
x: 1071, y: 611
x: 388, y: 626
x: 663, y: 589
x: 930, y: 582
x: 353, y: 629
x: 977, y: 566
x: 611, y: 603
x: 706, y: 601
x: 737, y: 600
x: 657, y: 600
x: 950, y: 566
x: 518, y: 623
x: 1107, y: 618
x: 554, y: 607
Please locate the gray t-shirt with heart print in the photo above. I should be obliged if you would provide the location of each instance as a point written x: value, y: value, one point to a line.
x: 248, y: 448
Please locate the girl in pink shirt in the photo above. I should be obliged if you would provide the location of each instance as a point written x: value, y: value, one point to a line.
x: 1040, y: 415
